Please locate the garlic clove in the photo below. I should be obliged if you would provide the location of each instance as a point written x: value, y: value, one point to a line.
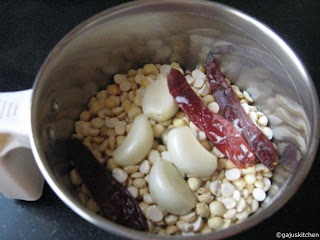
x: 157, y: 102
x: 136, y: 146
x: 189, y: 155
x: 169, y: 190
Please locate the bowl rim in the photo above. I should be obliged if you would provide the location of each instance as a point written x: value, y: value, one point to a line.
x: 114, y: 228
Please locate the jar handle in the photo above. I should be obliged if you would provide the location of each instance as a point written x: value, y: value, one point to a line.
x: 20, y: 177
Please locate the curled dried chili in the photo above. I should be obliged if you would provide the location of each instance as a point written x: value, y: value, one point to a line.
x: 219, y: 130
x: 114, y: 200
x: 232, y: 110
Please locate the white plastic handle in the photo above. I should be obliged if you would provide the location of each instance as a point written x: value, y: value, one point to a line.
x: 20, y: 177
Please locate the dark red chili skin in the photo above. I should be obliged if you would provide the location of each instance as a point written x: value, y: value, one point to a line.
x: 114, y: 200
x: 232, y: 110
x: 219, y: 130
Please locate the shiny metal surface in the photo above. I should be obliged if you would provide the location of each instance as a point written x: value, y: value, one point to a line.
x: 250, y: 55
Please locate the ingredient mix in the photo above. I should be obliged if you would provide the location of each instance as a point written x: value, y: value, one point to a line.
x: 172, y: 152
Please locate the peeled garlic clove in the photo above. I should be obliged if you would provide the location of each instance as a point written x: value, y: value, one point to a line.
x: 169, y: 190
x: 137, y: 144
x: 189, y: 155
x: 157, y: 102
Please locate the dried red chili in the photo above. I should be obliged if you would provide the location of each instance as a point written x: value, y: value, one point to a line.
x: 219, y: 130
x: 114, y: 200
x: 232, y: 110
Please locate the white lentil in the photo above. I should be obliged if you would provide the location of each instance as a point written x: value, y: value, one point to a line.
x: 245, y: 107
x: 75, y: 177
x: 267, y: 174
x: 267, y: 132
x: 193, y: 126
x: 236, y: 195
x: 131, y: 169
x: 253, y: 117
x: 241, y: 205
x: 133, y: 191
x: 194, y: 183
x: 214, y: 107
x: 202, y: 209
x: 216, y: 152
x: 93, y: 132
x: 138, y: 100
x: 198, y: 74
x: 242, y: 215
x: 147, y: 198
x: 229, y: 202
x: 189, y: 217
x: 119, y: 78
x: 230, y: 213
x: 217, y: 208
x: 170, y: 230
x: 92, y: 205
x: 259, y: 184
x: 259, y: 194
x: 248, y: 170
x: 171, y: 219
x: 153, y: 156
x: 267, y: 184
x: 208, y: 99
x: 138, y: 78
x: 245, y: 193
x: 226, y: 223
x: 205, y: 229
x: 83, y: 198
x: 120, y: 128
x: 254, y: 205
x: 165, y: 69
x: 215, y: 222
x: 145, y: 167
x: 184, y: 226
x: 247, y: 97
x: 143, y: 191
x: 158, y: 130
x: 197, y: 224
x: 249, y: 199
x: 250, y: 188
x: 111, y: 122
x: 233, y: 174
x: 97, y: 122
x: 221, y: 175
x: 204, y: 90
x: 263, y: 120
x: 139, y: 182
x: 117, y: 110
x: 202, y: 136
x: 154, y: 213
x: 133, y: 112
x: 190, y: 79
x: 261, y: 167
x: 215, y: 187
x: 238, y: 94
x: 250, y: 178
x: 198, y: 83
x: 259, y: 176
x: 252, y: 108
x: 227, y: 189
x: 229, y: 164
x: 205, y: 198
x: 120, y: 175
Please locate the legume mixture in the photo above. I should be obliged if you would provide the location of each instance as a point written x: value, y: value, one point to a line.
x: 224, y: 198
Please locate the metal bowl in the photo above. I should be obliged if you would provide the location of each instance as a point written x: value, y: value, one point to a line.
x: 130, y: 35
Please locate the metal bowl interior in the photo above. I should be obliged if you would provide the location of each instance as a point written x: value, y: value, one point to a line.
x: 130, y: 35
